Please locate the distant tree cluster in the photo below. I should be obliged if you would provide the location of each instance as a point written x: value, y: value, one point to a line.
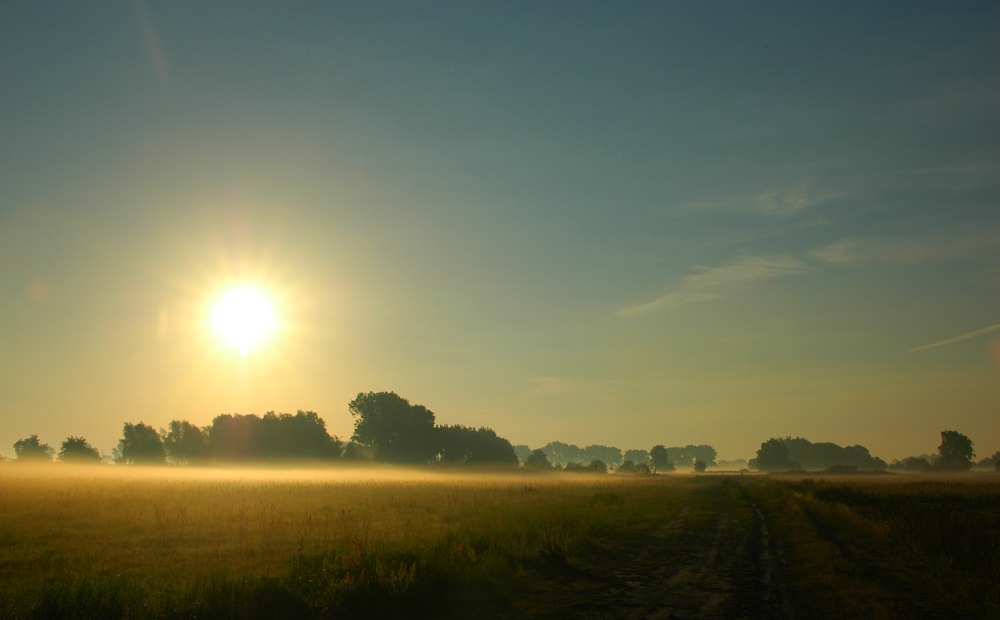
x: 689, y: 454
x: 538, y: 460
x: 271, y: 437
x: 472, y: 446
x: 140, y: 445
x: 274, y: 436
x: 77, y: 450
x: 387, y: 428
x: 563, y: 454
x: 558, y: 455
x: 954, y: 454
x: 658, y: 459
x: 73, y: 450
x: 31, y: 449
x: 630, y: 467
x: 398, y: 432
x: 782, y: 454
x: 790, y: 453
x: 990, y: 462
x: 637, y: 456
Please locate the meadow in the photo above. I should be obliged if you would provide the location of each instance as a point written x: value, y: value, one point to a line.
x: 124, y: 542
x: 889, y: 546
x: 132, y: 543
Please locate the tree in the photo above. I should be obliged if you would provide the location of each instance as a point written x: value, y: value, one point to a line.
x: 274, y: 436
x: 538, y: 460
x: 660, y: 459
x: 463, y: 444
x: 234, y: 437
x: 185, y: 442
x: 636, y: 456
x: 610, y: 455
x: 955, y: 450
x: 599, y: 466
x: 522, y: 451
x: 627, y: 467
x: 687, y: 455
x: 30, y: 449
x: 700, y: 465
x: 77, y: 450
x: 299, y: 436
x: 399, y: 432
x: 356, y: 452
x: 773, y: 455
x: 824, y: 454
x: 560, y: 453
x: 990, y: 461
x: 141, y: 445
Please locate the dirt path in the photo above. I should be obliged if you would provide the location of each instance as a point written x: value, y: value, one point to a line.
x: 713, y: 559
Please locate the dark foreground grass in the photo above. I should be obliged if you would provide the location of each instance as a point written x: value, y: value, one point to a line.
x: 889, y: 546
x: 119, y: 543
x: 369, y: 544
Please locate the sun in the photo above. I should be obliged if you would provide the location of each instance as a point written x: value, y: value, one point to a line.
x: 243, y: 317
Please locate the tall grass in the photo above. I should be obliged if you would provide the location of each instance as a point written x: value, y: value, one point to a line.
x: 108, y: 543
x: 939, y: 536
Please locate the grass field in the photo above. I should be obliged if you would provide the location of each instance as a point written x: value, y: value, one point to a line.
x: 116, y: 542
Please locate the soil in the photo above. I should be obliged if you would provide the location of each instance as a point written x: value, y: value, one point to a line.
x: 713, y: 559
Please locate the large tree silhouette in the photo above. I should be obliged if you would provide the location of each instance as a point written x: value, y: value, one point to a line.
x: 463, y: 444
x: 30, y: 449
x: 185, y: 442
x: 141, y: 445
x: 773, y: 455
x: 399, y: 432
x: 955, y: 450
x: 659, y: 458
x: 538, y: 460
x: 77, y: 450
x: 274, y: 436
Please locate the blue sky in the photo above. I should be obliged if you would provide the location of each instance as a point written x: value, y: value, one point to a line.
x: 621, y: 223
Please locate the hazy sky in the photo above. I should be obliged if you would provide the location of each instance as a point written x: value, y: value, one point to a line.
x: 617, y: 223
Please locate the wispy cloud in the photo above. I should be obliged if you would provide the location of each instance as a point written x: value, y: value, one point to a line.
x: 907, y: 250
x: 715, y: 282
x: 782, y: 201
x: 788, y: 201
x: 978, y: 332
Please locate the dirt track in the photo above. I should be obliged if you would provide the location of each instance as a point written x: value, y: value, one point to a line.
x: 713, y: 559
x: 719, y: 557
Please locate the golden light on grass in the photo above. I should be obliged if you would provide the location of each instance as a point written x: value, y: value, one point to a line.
x: 243, y: 317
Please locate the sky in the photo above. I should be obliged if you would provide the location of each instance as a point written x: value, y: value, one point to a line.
x: 615, y: 223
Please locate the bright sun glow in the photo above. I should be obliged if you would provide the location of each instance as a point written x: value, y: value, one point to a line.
x: 243, y: 317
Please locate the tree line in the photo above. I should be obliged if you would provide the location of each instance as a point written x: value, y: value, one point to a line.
x: 559, y: 455
x: 387, y: 428
x: 656, y: 460
x: 955, y: 453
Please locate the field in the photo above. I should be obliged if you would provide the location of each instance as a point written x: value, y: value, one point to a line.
x: 115, y: 542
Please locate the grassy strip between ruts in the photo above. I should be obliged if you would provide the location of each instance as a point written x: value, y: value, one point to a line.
x: 176, y: 547
x: 889, y: 546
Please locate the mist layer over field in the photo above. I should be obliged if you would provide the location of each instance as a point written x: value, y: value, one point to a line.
x: 300, y: 542
x: 165, y: 539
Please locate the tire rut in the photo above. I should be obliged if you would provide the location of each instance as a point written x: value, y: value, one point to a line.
x: 774, y: 597
x: 712, y: 563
